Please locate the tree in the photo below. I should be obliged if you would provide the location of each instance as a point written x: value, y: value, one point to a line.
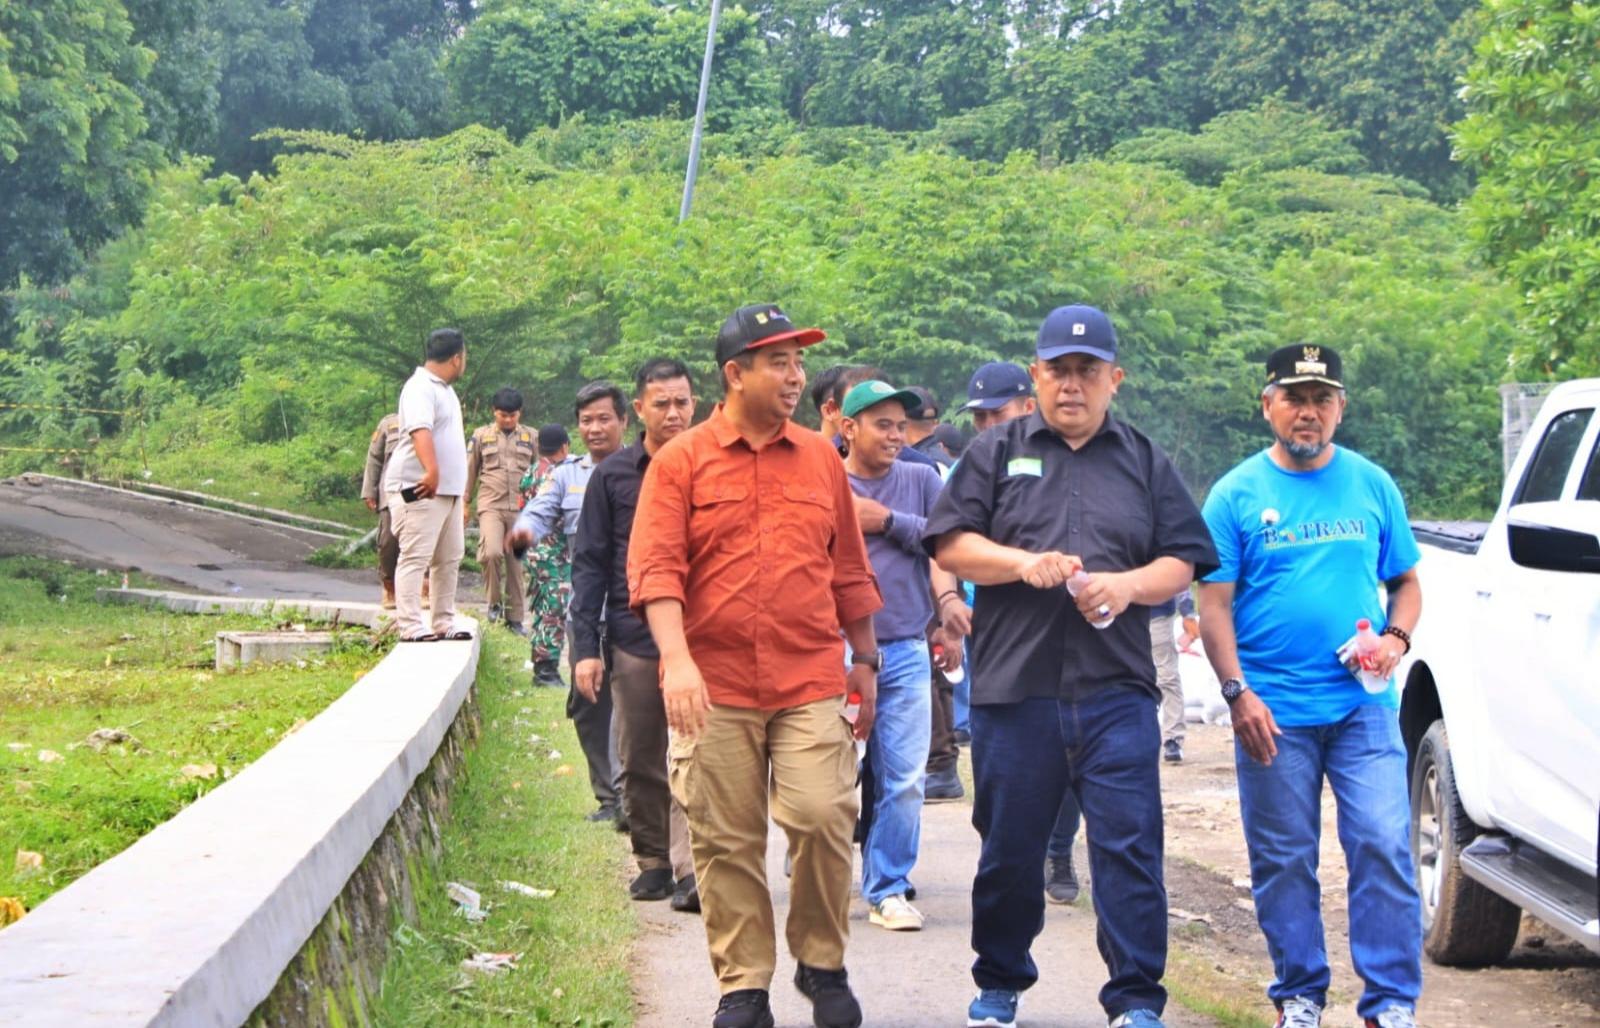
x: 1530, y: 136
x: 74, y: 164
x: 359, y: 66
x: 1383, y: 68
x: 180, y: 94
x: 522, y: 68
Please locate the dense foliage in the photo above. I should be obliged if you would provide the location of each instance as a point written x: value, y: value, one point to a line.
x: 296, y: 303
x: 1534, y: 98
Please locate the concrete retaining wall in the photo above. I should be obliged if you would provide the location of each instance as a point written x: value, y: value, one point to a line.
x: 197, y: 922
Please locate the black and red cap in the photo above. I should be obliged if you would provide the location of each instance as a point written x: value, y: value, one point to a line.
x: 760, y: 324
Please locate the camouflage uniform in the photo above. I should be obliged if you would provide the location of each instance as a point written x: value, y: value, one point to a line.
x: 549, y: 567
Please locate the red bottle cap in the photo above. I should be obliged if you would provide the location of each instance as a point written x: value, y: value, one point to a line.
x: 853, y: 698
x: 1363, y: 625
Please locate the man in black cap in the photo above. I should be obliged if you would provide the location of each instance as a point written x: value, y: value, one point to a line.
x: 1306, y: 531
x: 1071, y: 523
x: 748, y: 565
x: 920, y: 429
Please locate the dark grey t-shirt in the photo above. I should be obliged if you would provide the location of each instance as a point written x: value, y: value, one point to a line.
x: 898, y: 559
x: 1117, y: 502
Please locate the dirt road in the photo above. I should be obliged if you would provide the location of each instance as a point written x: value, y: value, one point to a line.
x: 198, y: 549
x: 1218, y: 956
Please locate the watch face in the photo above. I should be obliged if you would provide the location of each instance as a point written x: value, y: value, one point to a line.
x: 1231, y: 689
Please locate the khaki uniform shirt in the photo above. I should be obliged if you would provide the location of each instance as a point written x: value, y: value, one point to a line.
x: 385, y: 438
x: 496, y: 462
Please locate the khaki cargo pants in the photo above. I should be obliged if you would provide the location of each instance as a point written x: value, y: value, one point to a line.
x: 722, y: 778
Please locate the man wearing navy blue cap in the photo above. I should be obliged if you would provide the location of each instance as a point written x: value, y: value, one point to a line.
x: 1064, y: 694
x: 998, y: 392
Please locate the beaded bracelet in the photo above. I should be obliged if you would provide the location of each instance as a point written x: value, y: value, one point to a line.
x: 1398, y: 633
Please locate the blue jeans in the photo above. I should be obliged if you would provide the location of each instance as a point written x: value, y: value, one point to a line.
x: 962, y: 716
x: 1025, y: 756
x: 1364, y: 759
x: 1068, y: 817
x: 897, y: 754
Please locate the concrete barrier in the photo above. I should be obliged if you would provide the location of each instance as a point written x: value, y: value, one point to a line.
x: 329, y: 611
x: 196, y: 923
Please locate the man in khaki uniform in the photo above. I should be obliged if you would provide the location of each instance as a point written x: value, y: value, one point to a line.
x: 385, y: 438
x: 498, y: 455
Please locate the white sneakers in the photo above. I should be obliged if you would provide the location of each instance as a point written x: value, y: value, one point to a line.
x: 1299, y: 1012
x: 897, y: 915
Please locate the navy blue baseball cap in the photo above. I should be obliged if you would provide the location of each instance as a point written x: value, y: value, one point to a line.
x: 1077, y: 329
x: 996, y: 384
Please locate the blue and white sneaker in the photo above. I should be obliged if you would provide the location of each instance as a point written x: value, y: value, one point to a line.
x: 994, y: 1008
x: 1136, y: 1019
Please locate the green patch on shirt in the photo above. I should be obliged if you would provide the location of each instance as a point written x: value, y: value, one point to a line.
x: 1031, y: 466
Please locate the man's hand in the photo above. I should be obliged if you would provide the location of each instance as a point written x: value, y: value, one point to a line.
x: 428, y: 484
x: 466, y: 514
x: 1049, y: 570
x: 951, y: 641
x: 1390, y: 652
x: 1191, y: 632
x: 1253, y: 724
x: 870, y: 515
x: 1108, y: 590
x: 864, y: 680
x: 587, y: 676
x: 518, y: 539
x: 686, y: 698
x: 372, y: 504
x: 956, y: 616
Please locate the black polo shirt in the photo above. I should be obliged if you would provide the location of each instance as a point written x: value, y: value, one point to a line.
x: 600, y: 559
x: 1117, y: 503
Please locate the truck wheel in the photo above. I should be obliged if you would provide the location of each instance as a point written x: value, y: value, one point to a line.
x: 1463, y: 922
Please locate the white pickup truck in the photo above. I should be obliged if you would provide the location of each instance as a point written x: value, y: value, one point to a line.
x: 1501, y: 700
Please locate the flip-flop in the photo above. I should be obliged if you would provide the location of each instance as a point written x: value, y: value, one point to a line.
x: 458, y: 635
x: 428, y: 638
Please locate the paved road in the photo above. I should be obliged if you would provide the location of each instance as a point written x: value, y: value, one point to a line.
x: 905, y: 979
x: 204, y: 550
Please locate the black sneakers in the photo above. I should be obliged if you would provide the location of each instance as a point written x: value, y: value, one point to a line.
x: 943, y: 785
x: 686, y: 897
x: 654, y: 884
x: 547, y: 674
x: 1061, y: 881
x: 833, y: 1005
x: 743, y: 1008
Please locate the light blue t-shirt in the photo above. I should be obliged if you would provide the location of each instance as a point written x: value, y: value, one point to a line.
x: 1306, y: 552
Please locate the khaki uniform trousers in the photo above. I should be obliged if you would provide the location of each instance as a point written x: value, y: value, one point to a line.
x: 656, y: 822
x: 1164, y: 650
x: 722, y: 779
x: 493, y: 527
x: 431, y: 542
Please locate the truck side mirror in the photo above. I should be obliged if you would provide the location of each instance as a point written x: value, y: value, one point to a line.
x: 1548, y: 548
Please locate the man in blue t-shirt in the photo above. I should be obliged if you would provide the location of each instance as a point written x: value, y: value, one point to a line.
x: 1305, y: 534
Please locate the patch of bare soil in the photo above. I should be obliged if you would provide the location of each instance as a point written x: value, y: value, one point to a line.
x: 1547, y: 980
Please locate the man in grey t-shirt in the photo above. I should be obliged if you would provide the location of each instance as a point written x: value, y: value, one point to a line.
x: 426, y: 480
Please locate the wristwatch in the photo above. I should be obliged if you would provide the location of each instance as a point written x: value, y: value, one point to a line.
x: 874, y: 660
x: 1232, y: 689
x: 888, y: 523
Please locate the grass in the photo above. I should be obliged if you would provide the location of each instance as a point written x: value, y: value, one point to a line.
x: 74, y: 666
x: 518, y: 816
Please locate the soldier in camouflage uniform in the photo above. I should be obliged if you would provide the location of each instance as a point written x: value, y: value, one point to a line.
x: 548, y: 564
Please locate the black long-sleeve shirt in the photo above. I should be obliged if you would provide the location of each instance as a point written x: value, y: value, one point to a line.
x: 600, y: 559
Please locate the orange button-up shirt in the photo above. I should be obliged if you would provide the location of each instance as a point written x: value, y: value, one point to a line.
x: 762, y: 548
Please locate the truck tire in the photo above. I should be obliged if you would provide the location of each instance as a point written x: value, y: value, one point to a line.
x: 1463, y: 923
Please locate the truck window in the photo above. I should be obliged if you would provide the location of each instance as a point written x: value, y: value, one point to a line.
x: 1589, y: 488
x: 1548, y: 471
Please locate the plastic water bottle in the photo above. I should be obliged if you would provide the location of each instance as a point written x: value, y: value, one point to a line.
x: 851, y: 712
x: 955, y: 676
x: 1359, y: 655
x: 1075, y: 585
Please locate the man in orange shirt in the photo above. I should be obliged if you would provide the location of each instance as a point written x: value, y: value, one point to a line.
x: 746, y: 562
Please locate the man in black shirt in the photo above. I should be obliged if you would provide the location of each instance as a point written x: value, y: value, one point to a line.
x: 664, y: 400
x: 1064, y: 689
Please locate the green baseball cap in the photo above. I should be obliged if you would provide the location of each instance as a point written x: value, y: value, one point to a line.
x: 872, y: 392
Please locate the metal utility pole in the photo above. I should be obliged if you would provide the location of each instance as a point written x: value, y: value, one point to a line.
x: 700, y: 114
